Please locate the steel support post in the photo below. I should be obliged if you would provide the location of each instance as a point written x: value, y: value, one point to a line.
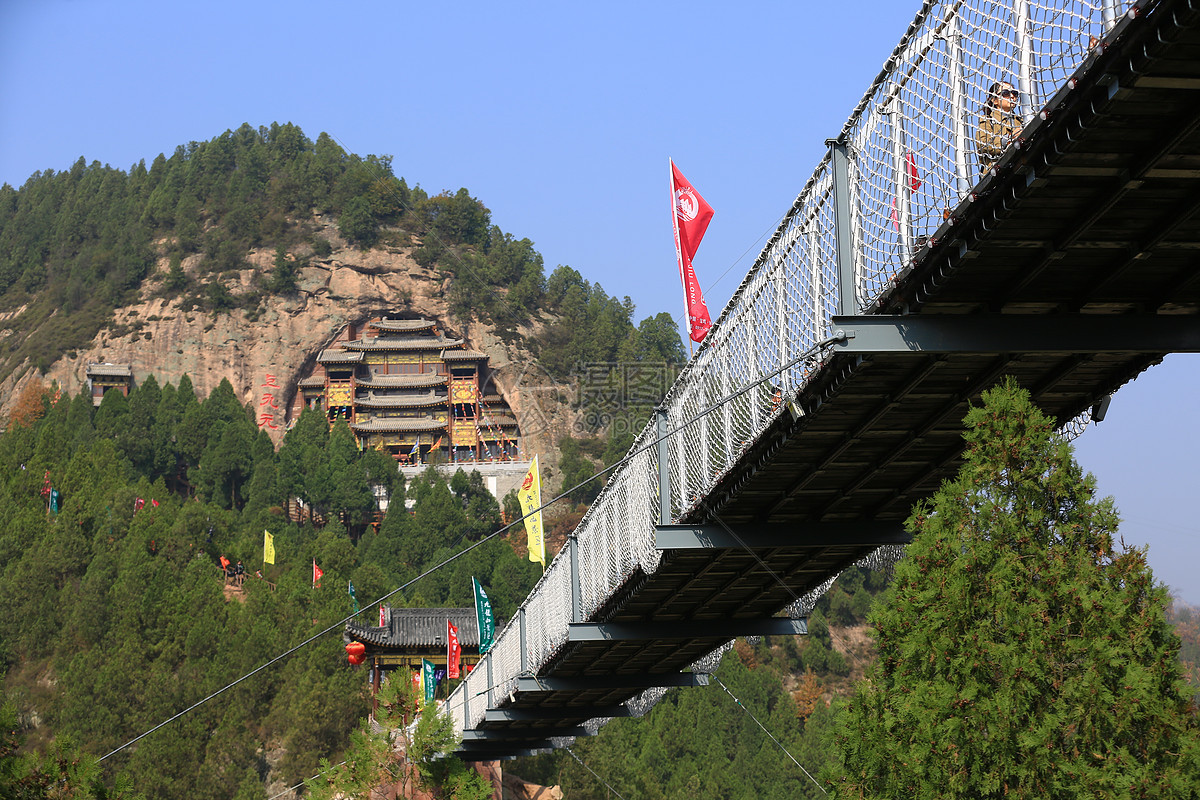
x: 576, y: 594
x: 524, y: 648
x: 1109, y: 12
x: 664, y: 466
x: 903, y: 181
x: 958, y: 109
x: 490, y: 701
x: 843, y: 223
x: 1023, y: 50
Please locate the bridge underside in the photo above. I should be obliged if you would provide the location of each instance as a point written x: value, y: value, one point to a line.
x: 1091, y: 222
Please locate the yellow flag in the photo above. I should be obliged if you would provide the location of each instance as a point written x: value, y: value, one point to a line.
x: 268, y: 548
x: 530, y: 495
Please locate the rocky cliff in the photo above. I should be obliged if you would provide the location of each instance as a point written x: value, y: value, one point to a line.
x: 279, y: 345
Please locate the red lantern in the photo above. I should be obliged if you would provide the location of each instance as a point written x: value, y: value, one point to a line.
x: 356, y: 652
x: 356, y: 659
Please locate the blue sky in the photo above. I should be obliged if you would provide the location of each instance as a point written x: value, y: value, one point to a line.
x: 560, y: 117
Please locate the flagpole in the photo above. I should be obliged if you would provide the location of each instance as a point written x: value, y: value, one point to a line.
x: 687, y: 320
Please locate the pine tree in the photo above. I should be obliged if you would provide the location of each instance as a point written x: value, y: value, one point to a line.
x: 1021, y: 652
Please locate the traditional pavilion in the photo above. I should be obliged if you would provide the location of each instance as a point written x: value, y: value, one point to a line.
x: 102, y: 377
x: 407, y: 388
x: 411, y: 635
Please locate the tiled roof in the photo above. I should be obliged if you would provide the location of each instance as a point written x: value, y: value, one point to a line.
x: 402, y: 325
x: 419, y: 627
x: 397, y: 425
x: 110, y: 370
x: 338, y: 357
x: 402, y: 343
x: 400, y: 400
x: 312, y: 382
x: 463, y: 355
x: 402, y: 381
x: 503, y: 420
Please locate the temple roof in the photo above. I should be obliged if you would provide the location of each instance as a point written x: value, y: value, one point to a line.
x: 402, y: 343
x: 402, y: 381
x: 463, y: 355
x: 338, y: 357
x: 502, y: 420
x: 110, y: 370
x: 401, y: 325
x: 312, y: 382
x: 397, y: 425
x: 418, y: 627
x: 400, y: 400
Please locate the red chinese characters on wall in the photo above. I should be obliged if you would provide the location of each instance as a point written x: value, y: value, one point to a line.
x: 267, y: 407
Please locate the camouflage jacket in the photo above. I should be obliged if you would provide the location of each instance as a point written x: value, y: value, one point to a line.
x: 996, y: 130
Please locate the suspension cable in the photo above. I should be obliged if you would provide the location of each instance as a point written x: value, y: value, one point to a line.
x: 629, y: 457
x: 301, y: 783
x: 589, y: 769
x: 768, y: 733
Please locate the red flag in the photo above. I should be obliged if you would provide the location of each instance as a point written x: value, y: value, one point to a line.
x: 137, y: 504
x: 690, y: 215
x: 317, y: 573
x: 453, y: 651
x: 224, y: 562
x: 46, y: 485
x: 914, y: 177
x: 154, y: 503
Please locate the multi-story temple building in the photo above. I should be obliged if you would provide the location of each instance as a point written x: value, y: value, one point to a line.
x: 406, y: 388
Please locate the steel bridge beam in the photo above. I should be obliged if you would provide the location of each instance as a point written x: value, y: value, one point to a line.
x: 778, y: 537
x: 666, y: 680
x: 489, y: 755
x: 684, y: 629
x: 1019, y: 333
x: 519, y: 735
x: 496, y: 750
x: 551, y: 714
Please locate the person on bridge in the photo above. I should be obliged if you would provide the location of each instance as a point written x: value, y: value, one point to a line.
x: 998, y: 124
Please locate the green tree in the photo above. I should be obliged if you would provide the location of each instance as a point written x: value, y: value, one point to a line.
x: 358, y: 224
x: 283, y: 279
x: 1022, y: 653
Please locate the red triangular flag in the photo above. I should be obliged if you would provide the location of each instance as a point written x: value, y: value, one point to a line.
x: 914, y: 177
x: 317, y: 573
x: 690, y: 215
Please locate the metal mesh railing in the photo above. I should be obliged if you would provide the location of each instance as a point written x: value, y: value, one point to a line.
x: 912, y: 158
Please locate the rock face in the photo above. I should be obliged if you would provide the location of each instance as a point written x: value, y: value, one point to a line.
x: 264, y: 357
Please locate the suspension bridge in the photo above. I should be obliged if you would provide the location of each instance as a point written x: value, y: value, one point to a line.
x: 906, y: 278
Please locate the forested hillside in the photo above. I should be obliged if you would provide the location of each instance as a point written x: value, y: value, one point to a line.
x: 112, y: 612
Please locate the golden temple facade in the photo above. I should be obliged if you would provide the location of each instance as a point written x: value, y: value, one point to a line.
x: 407, y: 388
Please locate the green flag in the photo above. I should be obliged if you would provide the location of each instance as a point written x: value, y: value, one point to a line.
x: 427, y: 678
x: 54, y: 500
x: 483, y: 613
x: 353, y: 596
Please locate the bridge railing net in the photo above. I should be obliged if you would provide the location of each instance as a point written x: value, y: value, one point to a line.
x: 914, y: 139
x: 913, y: 158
